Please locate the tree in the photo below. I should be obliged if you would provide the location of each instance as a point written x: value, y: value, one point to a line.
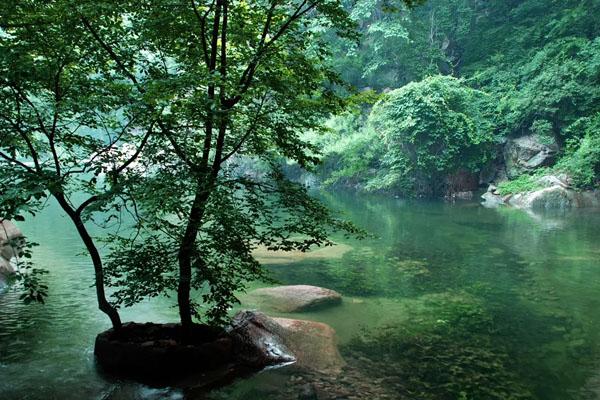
x: 431, y: 129
x: 403, y: 43
x: 235, y: 79
x: 69, y: 124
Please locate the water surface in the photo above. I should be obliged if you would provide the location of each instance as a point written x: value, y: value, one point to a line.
x: 447, y: 301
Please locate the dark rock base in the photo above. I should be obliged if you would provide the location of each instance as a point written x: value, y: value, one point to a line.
x: 159, y: 353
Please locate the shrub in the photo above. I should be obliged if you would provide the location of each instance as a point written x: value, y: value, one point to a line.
x: 431, y: 129
x: 582, y: 156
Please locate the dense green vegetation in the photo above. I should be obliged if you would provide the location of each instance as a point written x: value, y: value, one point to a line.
x: 144, y: 108
x: 538, y: 63
x: 420, y: 138
x: 170, y: 133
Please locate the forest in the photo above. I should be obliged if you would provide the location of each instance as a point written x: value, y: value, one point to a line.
x: 300, y: 199
x: 490, y: 71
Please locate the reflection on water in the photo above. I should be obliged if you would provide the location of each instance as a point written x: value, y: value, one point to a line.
x: 502, y: 299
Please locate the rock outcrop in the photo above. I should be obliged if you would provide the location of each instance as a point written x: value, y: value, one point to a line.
x: 492, y: 200
x: 295, y: 298
x: 526, y: 153
x: 10, y: 237
x: 257, y: 341
x: 554, y: 193
x: 158, y: 354
x: 260, y: 341
x: 555, y: 198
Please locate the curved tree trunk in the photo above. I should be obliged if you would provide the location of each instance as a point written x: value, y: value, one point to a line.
x: 92, y: 250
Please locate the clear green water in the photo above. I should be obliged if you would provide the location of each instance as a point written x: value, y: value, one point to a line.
x: 448, y: 298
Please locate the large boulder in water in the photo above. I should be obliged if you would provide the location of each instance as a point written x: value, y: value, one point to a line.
x: 552, y: 198
x: 526, y: 153
x: 295, y: 298
x: 262, y: 341
x: 162, y: 353
x: 555, y: 198
x: 257, y: 341
x: 555, y: 194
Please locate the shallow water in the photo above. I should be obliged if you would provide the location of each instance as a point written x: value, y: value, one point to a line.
x: 445, y: 297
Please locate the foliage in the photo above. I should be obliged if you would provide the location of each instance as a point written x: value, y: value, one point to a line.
x: 537, y: 60
x: 523, y: 183
x: 402, y: 44
x: 430, y: 130
x: 582, y: 156
x: 238, y: 81
x: 241, y: 214
x: 69, y: 123
x: 558, y: 85
x: 28, y: 279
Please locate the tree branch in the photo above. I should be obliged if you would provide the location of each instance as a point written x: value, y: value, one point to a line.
x: 15, y: 161
x: 111, y: 52
x: 17, y: 126
x: 202, y: 21
x: 251, y: 130
x: 248, y: 74
x: 135, y: 155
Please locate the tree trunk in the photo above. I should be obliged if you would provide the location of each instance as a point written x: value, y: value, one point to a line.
x: 103, y: 303
x: 186, y: 251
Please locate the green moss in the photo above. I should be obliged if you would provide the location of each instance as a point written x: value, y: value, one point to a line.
x: 523, y: 183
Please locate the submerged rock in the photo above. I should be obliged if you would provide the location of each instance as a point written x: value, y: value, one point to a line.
x: 265, y: 256
x: 262, y: 341
x: 295, y: 298
x: 313, y: 343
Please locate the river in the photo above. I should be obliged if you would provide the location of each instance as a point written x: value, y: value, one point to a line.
x: 445, y: 301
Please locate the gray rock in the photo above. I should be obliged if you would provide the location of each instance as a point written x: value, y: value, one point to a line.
x: 491, y: 200
x: 10, y: 247
x: 551, y: 198
x: 295, y: 298
x: 555, y: 197
x: 9, y: 234
x: 554, y: 180
x: 527, y: 153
